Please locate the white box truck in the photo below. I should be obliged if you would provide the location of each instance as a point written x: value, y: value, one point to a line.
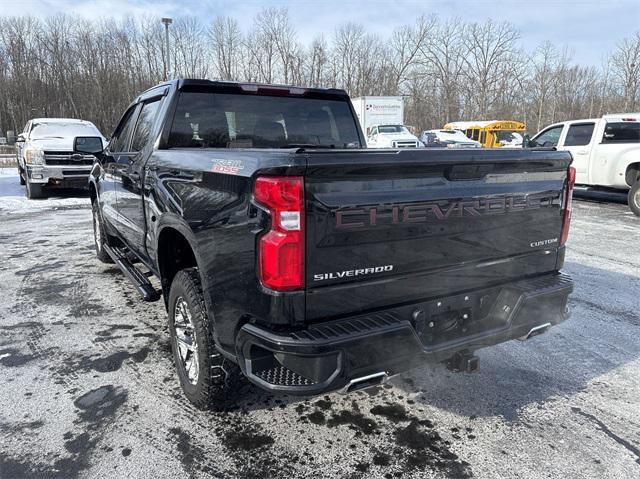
x: 382, y: 121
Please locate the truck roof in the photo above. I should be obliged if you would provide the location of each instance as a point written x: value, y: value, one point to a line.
x: 609, y: 117
x: 622, y: 116
x: 60, y: 120
x: 247, y: 86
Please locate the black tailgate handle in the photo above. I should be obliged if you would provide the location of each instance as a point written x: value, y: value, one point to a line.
x: 467, y: 172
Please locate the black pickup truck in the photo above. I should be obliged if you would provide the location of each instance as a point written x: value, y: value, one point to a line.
x: 289, y: 253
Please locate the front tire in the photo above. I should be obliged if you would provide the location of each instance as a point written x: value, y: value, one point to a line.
x: 99, y: 234
x: 634, y: 198
x: 35, y: 191
x: 207, y: 378
x: 22, y: 175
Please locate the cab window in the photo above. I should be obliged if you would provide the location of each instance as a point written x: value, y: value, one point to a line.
x: 579, y: 134
x: 548, y: 138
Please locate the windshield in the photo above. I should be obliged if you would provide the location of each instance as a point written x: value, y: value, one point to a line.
x: 62, y: 130
x: 392, y: 129
x: 229, y: 120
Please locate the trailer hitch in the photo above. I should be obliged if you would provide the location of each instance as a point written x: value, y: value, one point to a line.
x: 463, y: 362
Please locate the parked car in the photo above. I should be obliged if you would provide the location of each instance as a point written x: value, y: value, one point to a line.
x: 492, y: 133
x: 46, y: 158
x: 392, y: 136
x: 606, y: 151
x: 288, y: 257
x: 448, y: 139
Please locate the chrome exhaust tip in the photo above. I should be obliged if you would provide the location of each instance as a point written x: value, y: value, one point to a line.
x: 536, y: 331
x: 363, y: 382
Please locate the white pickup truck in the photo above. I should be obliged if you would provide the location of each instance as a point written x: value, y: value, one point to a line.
x: 606, y: 151
x: 392, y: 136
x: 46, y: 160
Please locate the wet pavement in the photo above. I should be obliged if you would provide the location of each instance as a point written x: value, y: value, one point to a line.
x: 88, y: 388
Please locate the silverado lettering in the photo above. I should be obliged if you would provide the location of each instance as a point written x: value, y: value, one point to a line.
x: 366, y: 216
x: 352, y: 272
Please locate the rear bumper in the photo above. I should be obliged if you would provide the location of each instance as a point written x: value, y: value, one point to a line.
x: 330, y: 355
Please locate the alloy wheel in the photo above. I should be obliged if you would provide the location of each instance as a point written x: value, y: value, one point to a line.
x: 185, y: 338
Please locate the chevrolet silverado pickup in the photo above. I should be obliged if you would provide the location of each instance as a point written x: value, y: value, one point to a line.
x: 46, y: 158
x: 288, y: 253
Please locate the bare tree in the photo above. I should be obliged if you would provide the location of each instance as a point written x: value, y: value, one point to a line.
x: 491, y: 49
x: 442, y: 59
x: 625, y: 64
x: 446, y: 70
x: 226, y: 39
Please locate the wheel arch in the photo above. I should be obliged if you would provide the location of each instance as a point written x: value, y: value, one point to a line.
x: 175, y: 251
x: 632, y: 173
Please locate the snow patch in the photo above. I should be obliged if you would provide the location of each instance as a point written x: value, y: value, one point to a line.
x: 13, y: 197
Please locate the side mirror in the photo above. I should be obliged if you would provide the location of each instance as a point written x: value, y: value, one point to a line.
x: 20, y: 138
x: 526, y: 141
x: 91, y: 145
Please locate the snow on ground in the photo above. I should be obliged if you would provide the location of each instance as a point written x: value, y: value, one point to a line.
x: 88, y: 387
x: 13, y: 196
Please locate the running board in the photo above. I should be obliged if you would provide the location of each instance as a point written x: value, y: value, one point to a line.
x: 138, y: 278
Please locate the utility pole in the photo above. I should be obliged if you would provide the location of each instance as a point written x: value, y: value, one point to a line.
x: 167, y: 66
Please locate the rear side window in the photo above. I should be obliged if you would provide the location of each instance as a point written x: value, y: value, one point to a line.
x: 579, y: 134
x: 622, y: 132
x: 144, y: 127
x: 229, y: 120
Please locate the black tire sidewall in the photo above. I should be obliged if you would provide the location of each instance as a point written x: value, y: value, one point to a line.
x: 633, y: 194
x: 101, y: 254
x: 184, y: 285
x: 34, y: 191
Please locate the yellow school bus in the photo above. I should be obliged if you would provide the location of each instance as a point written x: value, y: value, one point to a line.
x: 492, y: 133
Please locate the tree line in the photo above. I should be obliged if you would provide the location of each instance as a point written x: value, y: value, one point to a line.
x: 447, y: 69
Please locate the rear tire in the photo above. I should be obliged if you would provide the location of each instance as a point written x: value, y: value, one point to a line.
x: 634, y: 198
x: 209, y: 380
x: 35, y: 191
x: 99, y: 234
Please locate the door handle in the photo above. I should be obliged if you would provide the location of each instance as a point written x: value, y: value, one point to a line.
x: 582, y: 152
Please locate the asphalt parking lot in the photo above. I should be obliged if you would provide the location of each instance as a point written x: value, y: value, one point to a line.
x: 87, y: 384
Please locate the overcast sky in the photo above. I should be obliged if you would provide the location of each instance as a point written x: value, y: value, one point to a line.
x: 589, y: 28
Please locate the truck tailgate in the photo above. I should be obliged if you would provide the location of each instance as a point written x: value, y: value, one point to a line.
x: 389, y: 227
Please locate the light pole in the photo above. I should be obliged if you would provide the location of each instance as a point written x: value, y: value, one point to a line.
x: 167, y: 66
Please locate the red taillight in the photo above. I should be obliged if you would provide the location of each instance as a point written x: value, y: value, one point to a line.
x: 281, y: 249
x: 566, y: 218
